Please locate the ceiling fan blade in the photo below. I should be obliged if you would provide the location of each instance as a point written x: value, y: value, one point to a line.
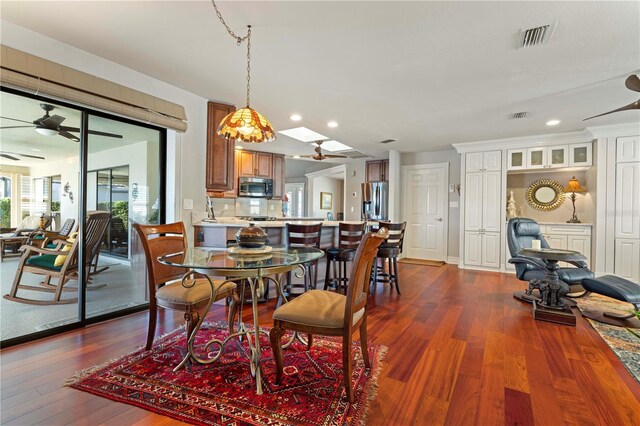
x: 15, y: 119
x: 9, y: 157
x: 68, y: 135
x: 633, y: 83
x: 634, y: 105
x: 32, y: 156
x: 335, y: 156
x: 91, y: 132
x: 16, y: 127
x: 52, y: 122
x: 109, y: 135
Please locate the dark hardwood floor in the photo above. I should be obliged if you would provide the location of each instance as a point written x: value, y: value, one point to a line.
x: 461, y: 351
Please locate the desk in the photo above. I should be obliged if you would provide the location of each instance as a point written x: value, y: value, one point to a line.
x: 551, y: 307
x: 235, y: 267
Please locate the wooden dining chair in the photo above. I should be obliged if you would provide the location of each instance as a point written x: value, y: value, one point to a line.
x: 349, y: 237
x: 331, y: 314
x: 165, y: 284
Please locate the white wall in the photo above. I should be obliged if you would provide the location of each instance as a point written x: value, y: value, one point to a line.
x: 353, y: 190
x: 332, y: 186
x: 186, y: 170
x: 453, y: 158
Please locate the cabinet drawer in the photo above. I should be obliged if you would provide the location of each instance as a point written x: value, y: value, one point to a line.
x: 567, y: 230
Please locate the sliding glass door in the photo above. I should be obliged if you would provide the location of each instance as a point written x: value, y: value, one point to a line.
x: 59, y: 172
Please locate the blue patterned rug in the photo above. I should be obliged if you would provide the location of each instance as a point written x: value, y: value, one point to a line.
x: 625, y: 342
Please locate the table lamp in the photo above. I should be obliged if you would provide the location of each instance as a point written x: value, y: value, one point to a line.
x: 574, y: 186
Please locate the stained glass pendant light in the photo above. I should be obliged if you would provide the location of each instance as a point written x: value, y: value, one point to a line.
x: 245, y: 124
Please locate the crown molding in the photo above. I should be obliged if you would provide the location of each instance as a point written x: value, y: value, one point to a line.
x: 581, y: 136
x: 615, y: 130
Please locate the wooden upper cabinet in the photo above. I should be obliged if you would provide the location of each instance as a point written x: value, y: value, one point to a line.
x: 278, y: 176
x: 220, y: 173
x: 377, y: 171
x: 254, y: 164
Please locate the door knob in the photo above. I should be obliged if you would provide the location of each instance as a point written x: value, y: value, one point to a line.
x: 439, y: 219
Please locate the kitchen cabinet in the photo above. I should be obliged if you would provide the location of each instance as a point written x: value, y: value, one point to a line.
x: 254, y: 164
x: 628, y: 149
x: 278, y: 176
x: 377, y: 171
x: 627, y: 208
x: 517, y: 159
x: 220, y: 164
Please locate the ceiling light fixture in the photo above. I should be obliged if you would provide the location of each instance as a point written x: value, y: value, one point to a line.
x: 296, y: 156
x: 245, y: 124
x: 296, y: 117
x: 332, y: 124
x: 553, y: 122
x: 35, y: 149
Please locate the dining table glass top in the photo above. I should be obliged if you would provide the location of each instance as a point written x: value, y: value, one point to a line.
x: 225, y: 258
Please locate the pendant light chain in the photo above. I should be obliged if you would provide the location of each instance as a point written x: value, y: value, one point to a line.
x: 239, y: 41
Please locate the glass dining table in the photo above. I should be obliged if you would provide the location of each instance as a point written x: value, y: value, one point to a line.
x: 236, y: 265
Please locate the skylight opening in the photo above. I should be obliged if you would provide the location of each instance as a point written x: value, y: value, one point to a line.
x: 303, y: 134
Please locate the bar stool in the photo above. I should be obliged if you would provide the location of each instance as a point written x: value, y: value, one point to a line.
x: 349, y: 237
x: 389, y: 251
x: 303, y: 236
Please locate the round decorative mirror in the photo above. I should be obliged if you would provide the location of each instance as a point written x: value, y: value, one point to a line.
x: 545, y: 194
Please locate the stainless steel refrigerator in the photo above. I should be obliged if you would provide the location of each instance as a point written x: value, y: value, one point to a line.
x: 375, y: 200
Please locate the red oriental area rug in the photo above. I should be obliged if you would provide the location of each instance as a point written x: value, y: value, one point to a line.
x: 223, y: 392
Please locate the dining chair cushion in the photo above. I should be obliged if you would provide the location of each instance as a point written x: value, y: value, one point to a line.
x: 44, y: 261
x: 318, y: 308
x: 176, y: 295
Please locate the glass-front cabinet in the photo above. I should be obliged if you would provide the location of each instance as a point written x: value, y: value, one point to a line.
x: 550, y: 157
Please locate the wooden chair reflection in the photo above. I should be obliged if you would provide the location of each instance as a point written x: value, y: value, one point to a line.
x: 62, y: 263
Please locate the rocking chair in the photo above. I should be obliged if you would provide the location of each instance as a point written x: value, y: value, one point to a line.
x: 45, y: 263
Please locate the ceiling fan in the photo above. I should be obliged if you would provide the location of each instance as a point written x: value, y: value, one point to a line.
x: 319, y: 155
x: 633, y: 83
x: 50, y: 125
x: 12, y: 155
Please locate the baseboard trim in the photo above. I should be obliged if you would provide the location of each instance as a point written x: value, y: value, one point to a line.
x: 452, y: 260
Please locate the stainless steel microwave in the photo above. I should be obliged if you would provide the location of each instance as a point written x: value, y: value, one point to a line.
x: 255, y: 187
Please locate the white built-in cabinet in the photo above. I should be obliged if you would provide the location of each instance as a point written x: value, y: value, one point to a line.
x: 483, y: 208
x: 550, y: 157
x: 627, y: 209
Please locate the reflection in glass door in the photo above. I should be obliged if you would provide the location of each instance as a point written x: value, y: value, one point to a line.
x: 111, y: 193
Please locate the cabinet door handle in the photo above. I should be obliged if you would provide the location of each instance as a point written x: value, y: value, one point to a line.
x: 439, y: 219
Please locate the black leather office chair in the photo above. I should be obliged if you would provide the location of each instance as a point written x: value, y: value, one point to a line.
x: 520, y: 233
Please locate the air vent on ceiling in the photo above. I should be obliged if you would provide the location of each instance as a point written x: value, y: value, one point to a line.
x: 355, y: 154
x: 518, y: 115
x: 535, y: 36
x: 388, y: 140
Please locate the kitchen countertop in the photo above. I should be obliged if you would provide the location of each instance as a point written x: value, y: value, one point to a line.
x: 237, y: 223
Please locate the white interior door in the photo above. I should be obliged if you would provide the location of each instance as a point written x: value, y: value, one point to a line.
x: 426, y: 211
x: 295, y: 195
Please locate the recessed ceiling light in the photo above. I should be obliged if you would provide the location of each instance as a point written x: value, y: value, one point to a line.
x: 35, y: 149
x: 553, y: 122
x: 296, y: 117
x: 334, y: 146
x: 332, y: 124
x: 296, y: 156
x: 303, y: 134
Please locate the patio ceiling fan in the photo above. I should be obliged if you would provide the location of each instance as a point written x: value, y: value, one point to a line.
x: 633, y: 83
x: 51, y: 125
x: 14, y: 155
x: 319, y: 155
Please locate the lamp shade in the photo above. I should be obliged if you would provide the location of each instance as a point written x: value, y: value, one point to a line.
x: 246, y: 125
x: 574, y: 186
